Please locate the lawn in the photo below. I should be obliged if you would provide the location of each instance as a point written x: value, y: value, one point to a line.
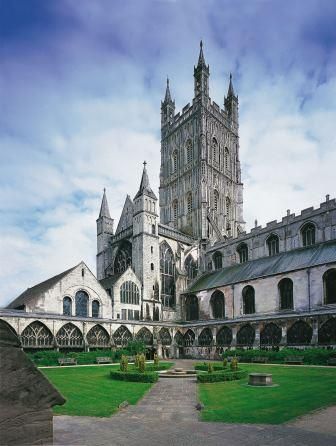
x: 300, y: 390
x: 90, y: 391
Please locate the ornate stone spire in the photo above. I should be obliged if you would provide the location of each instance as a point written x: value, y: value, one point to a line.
x: 104, y: 209
x: 168, y: 95
x: 201, y: 60
x: 144, y: 185
x: 230, y: 89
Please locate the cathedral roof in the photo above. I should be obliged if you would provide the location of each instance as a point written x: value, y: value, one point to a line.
x: 284, y: 262
x: 145, y: 188
x: 39, y: 289
x: 104, y: 209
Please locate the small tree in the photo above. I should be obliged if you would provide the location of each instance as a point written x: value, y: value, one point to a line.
x: 124, y: 363
x: 234, y: 363
x: 135, y: 347
x: 156, y: 361
x: 225, y: 362
x: 210, y: 367
x: 136, y: 361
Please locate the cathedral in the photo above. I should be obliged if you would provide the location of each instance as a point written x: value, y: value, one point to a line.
x: 179, y: 271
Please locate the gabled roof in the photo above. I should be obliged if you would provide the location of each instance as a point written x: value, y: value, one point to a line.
x: 126, y: 218
x: 39, y: 289
x: 284, y: 262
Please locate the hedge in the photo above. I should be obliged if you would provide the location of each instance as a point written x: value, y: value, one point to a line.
x: 317, y: 356
x: 50, y: 358
x: 204, y: 367
x: 221, y: 376
x: 146, y: 377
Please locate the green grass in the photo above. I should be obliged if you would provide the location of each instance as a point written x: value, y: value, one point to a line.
x: 301, y: 390
x: 90, y: 391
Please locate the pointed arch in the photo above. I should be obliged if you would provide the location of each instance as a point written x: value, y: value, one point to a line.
x: 67, y: 306
x: 82, y: 303
x: 69, y: 336
x: 191, y: 307
x: 242, y: 250
x: 178, y: 339
x: 224, y: 337
x: 273, y: 244
x: 167, y: 274
x: 217, y: 304
x: 308, y: 232
x: 123, y: 258
x: 189, y: 151
x: 327, y: 332
x: 300, y: 333
x: 215, y: 153
x: 285, y: 287
x: 246, y: 335
x: 189, y: 338
x: 37, y: 335
x: 191, y: 267
x: 122, y: 336
x: 98, y: 337
x: 218, y: 260
x: 145, y: 336
x: 174, y: 161
x: 248, y: 300
x: 205, y: 338
x: 164, y: 336
x: 95, y: 308
x: 271, y: 335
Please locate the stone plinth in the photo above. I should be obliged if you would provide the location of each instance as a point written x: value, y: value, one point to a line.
x: 260, y: 379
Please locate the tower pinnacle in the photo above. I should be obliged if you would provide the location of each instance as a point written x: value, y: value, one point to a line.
x: 230, y: 89
x: 144, y: 185
x: 167, y: 95
x: 104, y: 209
x: 201, y: 60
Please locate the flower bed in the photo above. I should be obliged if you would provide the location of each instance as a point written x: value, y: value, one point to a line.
x: 220, y: 376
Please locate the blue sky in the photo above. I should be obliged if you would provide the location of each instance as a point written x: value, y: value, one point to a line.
x: 80, y: 90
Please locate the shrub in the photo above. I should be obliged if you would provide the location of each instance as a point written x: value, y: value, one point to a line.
x: 204, y: 367
x: 210, y: 368
x: 221, y: 376
x: 135, y: 347
x: 136, y: 360
x: 234, y: 363
x: 50, y: 357
x: 225, y: 362
x: 156, y: 361
x: 135, y: 376
x: 142, y: 363
x: 124, y: 363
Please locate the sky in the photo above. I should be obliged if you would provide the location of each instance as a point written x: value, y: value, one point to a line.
x: 80, y: 90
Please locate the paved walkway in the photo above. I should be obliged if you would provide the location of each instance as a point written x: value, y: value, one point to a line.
x: 167, y: 416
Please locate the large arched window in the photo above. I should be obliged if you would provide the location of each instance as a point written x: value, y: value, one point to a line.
x: 286, y: 294
x: 189, y: 338
x: 271, y: 335
x: 205, y: 338
x: 248, y: 300
x: 189, y: 152
x: 178, y: 339
x: 246, y: 336
x: 95, y: 308
x: 308, y: 234
x: 122, y: 336
x: 129, y: 293
x: 37, y: 335
x: 167, y: 271
x: 216, y: 201
x: 329, y: 284
x: 82, y: 302
x: 191, y: 267
x: 217, y: 303
x: 218, y: 260
x: 191, y: 308
x: 145, y: 336
x: 224, y: 337
x: 242, y: 250
x: 273, y: 244
x: 67, y: 306
x: 98, y: 337
x: 327, y: 332
x: 70, y: 336
x: 164, y: 336
x: 123, y: 258
x: 300, y: 333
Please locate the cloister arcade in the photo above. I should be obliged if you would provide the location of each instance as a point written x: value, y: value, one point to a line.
x: 173, y: 341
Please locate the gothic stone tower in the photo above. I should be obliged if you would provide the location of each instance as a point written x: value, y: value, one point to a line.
x: 201, y: 193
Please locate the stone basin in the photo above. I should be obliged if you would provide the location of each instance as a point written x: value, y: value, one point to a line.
x: 260, y: 379
x: 177, y: 373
